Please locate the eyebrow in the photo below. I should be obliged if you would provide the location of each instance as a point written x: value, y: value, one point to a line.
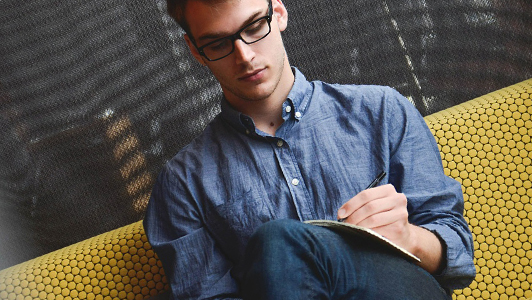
x: 217, y: 35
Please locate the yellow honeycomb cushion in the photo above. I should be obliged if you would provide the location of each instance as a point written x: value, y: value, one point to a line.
x: 119, y: 264
x: 485, y: 145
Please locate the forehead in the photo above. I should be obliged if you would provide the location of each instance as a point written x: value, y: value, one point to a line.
x: 206, y: 17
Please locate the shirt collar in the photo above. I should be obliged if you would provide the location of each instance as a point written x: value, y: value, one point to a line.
x: 294, y: 107
x: 299, y: 96
x: 237, y: 119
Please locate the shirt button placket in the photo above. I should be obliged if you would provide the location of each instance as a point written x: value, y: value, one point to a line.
x: 292, y: 176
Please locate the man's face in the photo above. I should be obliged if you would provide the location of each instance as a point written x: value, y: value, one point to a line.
x: 253, y: 71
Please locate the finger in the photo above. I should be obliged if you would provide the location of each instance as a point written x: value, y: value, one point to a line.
x: 371, y: 208
x: 363, y: 198
x: 382, y: 221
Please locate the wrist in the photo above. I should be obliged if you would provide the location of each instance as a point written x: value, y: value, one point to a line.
x: 428, y: 247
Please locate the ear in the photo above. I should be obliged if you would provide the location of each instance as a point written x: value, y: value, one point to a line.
x: 280, y: 13
x: 194, y: 51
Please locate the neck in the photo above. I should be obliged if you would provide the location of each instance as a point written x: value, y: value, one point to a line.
x: 267, y: 113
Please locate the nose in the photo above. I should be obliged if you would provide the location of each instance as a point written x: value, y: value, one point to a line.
x: 243, y: 51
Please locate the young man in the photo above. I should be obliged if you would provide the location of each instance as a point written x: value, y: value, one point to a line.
x: 225, y: 215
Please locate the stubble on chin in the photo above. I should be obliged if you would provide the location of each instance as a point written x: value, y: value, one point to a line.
x: 271, y: 84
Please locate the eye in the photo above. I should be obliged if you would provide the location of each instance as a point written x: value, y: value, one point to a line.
x: 217, y: 46
x: 257, y: 27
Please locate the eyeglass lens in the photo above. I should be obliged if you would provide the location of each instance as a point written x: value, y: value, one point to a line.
x: 252, y: 33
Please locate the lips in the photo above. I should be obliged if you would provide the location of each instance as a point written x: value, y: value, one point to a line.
x: 252, y: 76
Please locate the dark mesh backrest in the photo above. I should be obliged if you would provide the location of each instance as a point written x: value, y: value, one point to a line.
x: 96, y: 95
x: 437, y: 53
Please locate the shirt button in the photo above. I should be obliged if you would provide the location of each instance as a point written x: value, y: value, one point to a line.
x: 280, y: 143
x: 298, y: 115
x: 247, y: 131
x: 288, y: 108
x: 295, y: 181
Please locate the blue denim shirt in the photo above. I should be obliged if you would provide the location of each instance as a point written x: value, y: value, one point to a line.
x: 335, y: 139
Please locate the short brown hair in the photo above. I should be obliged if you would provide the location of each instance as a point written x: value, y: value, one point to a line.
x: 176, y: 9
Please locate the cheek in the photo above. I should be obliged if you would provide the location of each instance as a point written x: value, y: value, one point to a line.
x: 221, y: 70
x: 274, y: 46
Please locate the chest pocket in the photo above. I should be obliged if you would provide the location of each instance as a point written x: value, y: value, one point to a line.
x: 233, y: 222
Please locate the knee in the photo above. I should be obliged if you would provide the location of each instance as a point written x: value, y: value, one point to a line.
x: 277, y: 234
x: 278, y: 226
x: 272, y: 250
x: 276, y: 231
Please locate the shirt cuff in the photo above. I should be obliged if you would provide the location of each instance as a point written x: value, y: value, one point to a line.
x: 457, y: 270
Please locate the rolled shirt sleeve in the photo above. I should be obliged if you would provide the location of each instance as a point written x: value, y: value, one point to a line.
x: 435, y: 200
x: 194, y: 265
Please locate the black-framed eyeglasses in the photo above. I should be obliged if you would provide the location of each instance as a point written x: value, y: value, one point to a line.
x: 249, y: 34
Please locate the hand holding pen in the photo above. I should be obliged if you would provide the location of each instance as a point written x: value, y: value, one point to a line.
x: 373, y: 184
x: 381, y: 209
x: 384, y: 210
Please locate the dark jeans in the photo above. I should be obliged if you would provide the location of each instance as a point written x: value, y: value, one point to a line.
x: 288, y: 259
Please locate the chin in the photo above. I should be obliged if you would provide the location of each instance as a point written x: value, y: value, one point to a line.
x: 252, y: 94
x: 259, y: 95
x: 254, y: 97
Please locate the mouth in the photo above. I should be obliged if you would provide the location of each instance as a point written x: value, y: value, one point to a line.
x: 253, y: 75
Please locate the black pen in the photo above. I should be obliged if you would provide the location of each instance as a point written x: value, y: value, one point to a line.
x: 371, y: 185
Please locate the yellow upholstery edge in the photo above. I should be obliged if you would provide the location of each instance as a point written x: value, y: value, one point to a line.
x: 481, y: 101
x: 119, y: 264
